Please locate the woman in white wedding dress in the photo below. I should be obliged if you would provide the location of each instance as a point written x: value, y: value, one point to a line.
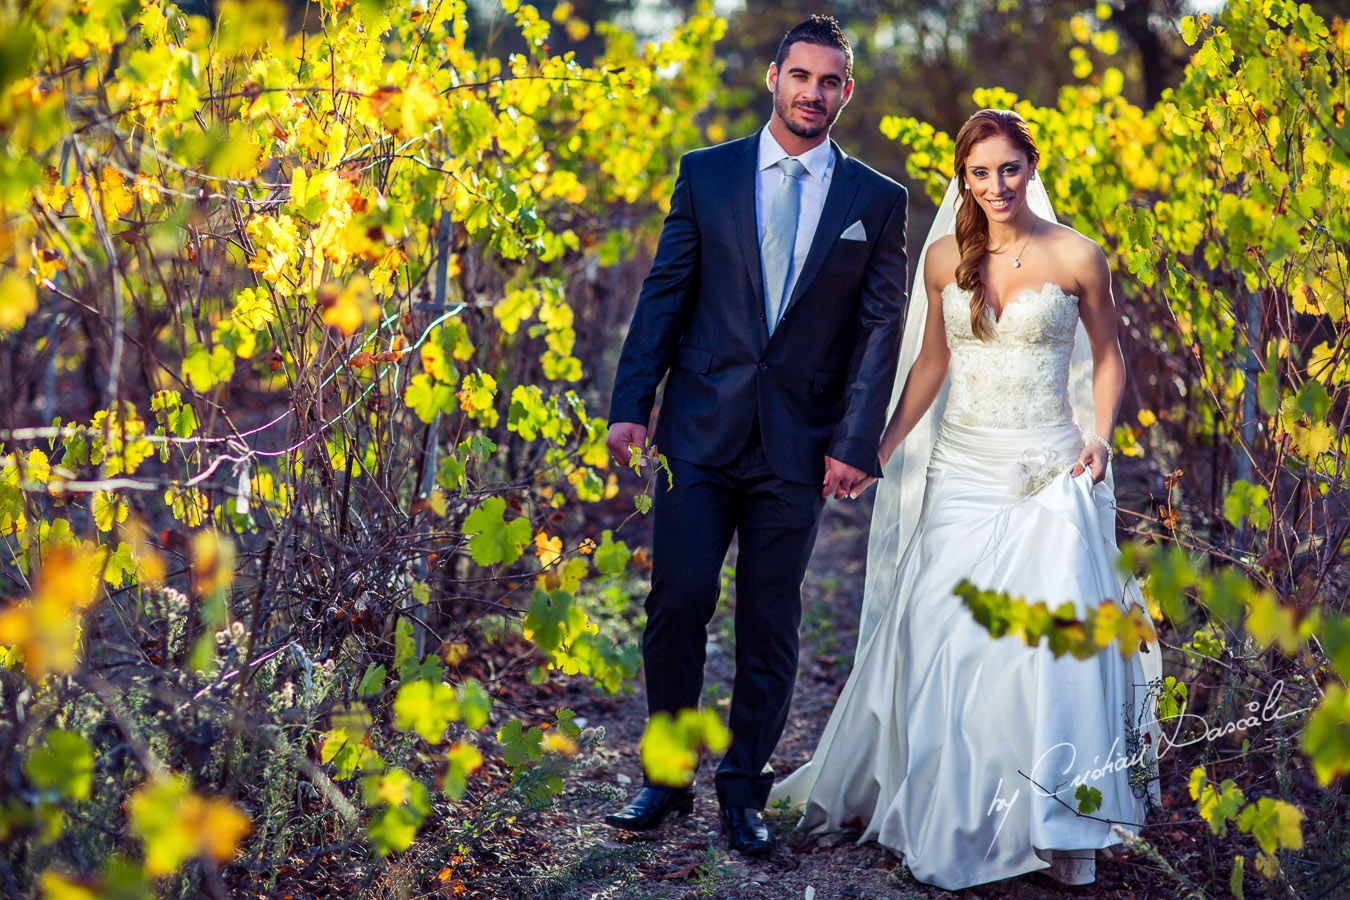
x: 961, y: 752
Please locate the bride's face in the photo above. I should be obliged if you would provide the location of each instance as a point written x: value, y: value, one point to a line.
x: 997, y: 171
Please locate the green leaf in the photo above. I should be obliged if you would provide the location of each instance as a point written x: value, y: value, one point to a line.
x: 1216, y: 804
x: 528, y: 416
x: 464, y: 759
x: 1312, y: 400
x: 410, y: 666
x: 207, y: 368
x: 1169, y: 578
x: 62, y: 768
x: 494, y: 539
x: 176, y: 418
x: 1247, y: 501
x: 121, y: 564
x: 427, y: 397
x: 451, y: 474
x: 519, y: 747
x: 480, y: 445
x: 405, y: 646
x: 671, y: 746
x: 372, y: 681
x: 393, y: 830
x: 611, y: 557
x: 1335, y: 637
x: 1089, y: 799
x: 551, y: 620
x: 1276, y: 825
x: 426, y: 708
x: 1172, y: 699
x: 403, y: 802
x: 1190, y: 30
x: 1326, y: 737
x: 475, y: 704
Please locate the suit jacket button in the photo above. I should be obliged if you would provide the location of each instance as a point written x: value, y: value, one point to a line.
x: 764, y: 367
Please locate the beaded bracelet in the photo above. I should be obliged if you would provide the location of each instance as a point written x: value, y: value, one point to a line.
x: 1105, y: 443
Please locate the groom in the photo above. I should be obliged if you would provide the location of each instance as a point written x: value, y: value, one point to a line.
x: 773, y: 309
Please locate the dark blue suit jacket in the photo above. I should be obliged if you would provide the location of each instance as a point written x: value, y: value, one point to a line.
x: 820, y: 385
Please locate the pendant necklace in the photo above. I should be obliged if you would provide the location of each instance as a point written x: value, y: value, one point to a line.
x: 1017, y: 260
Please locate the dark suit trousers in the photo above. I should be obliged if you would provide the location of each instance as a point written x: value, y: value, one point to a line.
x: 775, y: 522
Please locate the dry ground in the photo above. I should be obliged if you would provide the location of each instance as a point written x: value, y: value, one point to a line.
x: 580, y: 858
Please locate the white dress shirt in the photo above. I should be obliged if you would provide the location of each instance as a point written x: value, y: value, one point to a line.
x: 813, y: 184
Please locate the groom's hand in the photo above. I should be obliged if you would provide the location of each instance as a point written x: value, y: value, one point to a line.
x: 621, y: 436
x: 842, y: 480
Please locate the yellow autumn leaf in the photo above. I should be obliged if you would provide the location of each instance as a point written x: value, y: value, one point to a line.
x: 394, y: 788
x: 670, y: 745
x: 253, y: 308
x: 117, y: 200
x: 212, y: 562
x: 56, y: 886
x: 1275, y: 824
x: 56, y: 193
x: 464, y: 759
x: 478, y: 392
x: 79, y: 199
x: 45, y: 627
x: 347, y: 308
x: 47, y: 263
x: 406, y: 111
x: 454, y: 652
x: 436, y: 500
x: 150, y: 565
x: 421, y: 104
x: 1304, y: 298
x: 178, y: 824
x: 38, y: 467
x: 1271, y: 622
x: 109, y: 510
x: 146, y: 189
x: 277, y: 240
x: 559, y: 743
x: 1314, y: 441
x: 18, y: 300
x: 435, y: 364
x: 549, y: 549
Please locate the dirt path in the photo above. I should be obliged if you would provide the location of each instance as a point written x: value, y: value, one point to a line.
x: 585, y: 860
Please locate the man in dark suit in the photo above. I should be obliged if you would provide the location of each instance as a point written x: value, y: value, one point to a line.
x: 773, y: 309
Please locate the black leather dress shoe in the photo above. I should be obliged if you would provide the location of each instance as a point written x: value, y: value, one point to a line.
x: 747, y: 831
x: 650, y: 808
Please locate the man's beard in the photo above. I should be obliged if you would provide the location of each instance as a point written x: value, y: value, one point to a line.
x: 799, y: 129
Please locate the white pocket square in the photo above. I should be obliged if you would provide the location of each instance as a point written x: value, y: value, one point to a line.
x: 854, y: 232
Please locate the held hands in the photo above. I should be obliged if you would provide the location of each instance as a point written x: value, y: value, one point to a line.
x: 843, y: 480
x: 1093, y: 458
x: 883, y: 457
x: 622, y: 437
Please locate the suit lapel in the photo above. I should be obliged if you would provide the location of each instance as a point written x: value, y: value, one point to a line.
x: 838, y: 202
x: 742, y: 198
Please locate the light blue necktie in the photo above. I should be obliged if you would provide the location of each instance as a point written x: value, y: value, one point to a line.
x: 780, y: 237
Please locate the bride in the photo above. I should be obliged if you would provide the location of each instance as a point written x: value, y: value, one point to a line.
x: 959, y: 751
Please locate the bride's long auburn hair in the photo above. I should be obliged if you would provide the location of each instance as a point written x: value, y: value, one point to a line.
x: 972, y: 225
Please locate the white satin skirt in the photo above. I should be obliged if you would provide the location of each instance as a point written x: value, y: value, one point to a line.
x: 963, y: 753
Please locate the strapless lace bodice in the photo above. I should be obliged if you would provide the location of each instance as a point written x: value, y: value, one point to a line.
x: 1019, y: 378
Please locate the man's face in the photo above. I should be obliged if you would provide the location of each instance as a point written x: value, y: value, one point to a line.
x: 810, y: 89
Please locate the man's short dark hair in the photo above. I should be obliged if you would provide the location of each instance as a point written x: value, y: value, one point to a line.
x: 823, y: 31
